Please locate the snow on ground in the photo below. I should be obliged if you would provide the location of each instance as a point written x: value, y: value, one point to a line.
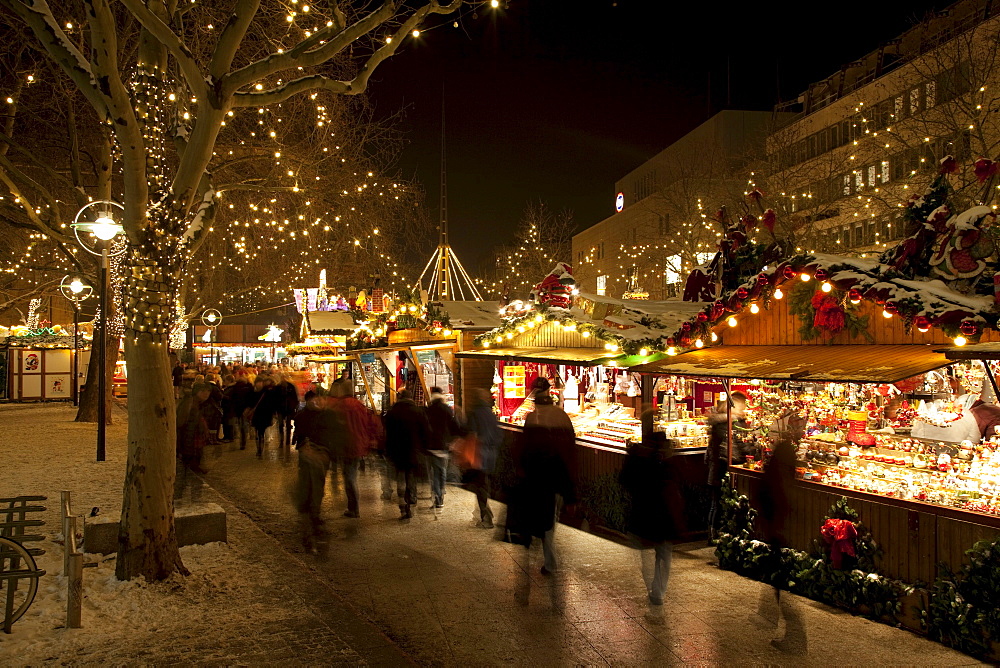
x: 42, y: 452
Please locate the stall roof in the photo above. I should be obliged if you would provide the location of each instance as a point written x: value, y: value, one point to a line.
x: 574, y: 356
x: 472, y: 314
x: 977, y: 351
x: 330, y: 322
x: 851, y: 363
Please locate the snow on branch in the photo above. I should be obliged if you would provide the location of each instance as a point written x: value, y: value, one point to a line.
x: 198, y: 222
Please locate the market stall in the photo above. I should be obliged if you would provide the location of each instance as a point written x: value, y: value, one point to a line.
x: 37, y: 364
x: 852, y: 355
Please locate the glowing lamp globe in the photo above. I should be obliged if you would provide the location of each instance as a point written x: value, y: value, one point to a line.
x: 76, y: 286
x: 105, y: 228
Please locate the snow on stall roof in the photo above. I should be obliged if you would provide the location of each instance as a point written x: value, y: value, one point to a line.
x: 648, y: 319
x: 472, y: 314
x: 937, y: 289
x: 331, y: 321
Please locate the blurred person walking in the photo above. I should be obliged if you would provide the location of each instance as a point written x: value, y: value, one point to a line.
x: 656, y: 517
x: 481, y: 425
x: 363, y: 431
x: 319, y: 431
x: 261, y: 415
x: 406, y: 438
x: 717, y: 453
x: 286, y: 404
x: 212, y: 408
x: 547, y: 472
x: 240, y: 395
x: 444, y: 429
x: 192, y: 437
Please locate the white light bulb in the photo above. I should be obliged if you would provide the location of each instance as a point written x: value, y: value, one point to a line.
x: 778, y: 294
x: 960, y: 340
x: 827, y: 287
x: 731, y: 321
x: 754, y: 308
x: 105, y: 228
x: 76, y: 286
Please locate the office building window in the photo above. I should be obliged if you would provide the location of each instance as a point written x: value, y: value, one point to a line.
x: 859, y: 179
x: 897, y: 107
x: 885, y: 171
x: 871, y: 176
x: 847, y: 184
x: 914, y: 101
x: 930, y: 94
x: 602, y: 285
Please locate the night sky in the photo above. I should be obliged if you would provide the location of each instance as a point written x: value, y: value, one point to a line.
x: 555, y: 101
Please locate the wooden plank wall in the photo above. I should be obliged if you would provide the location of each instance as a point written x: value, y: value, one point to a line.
x: 551, y: 335
x: 778, y: 326
x: 913, y: 541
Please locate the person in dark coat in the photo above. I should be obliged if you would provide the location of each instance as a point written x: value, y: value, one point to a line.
x: 444, y: 428
x: 264, y: 408
x: 318, y: 433
x: 717, y: 453
x: 481, y: 421
x: 545, y: 464
x: 650, y: 476
x: 286, y: 404
x: 407, y: 435
x: 211, y: 408
x: 240, y: 397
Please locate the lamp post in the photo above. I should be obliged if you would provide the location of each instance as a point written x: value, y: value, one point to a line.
x: 96, y: 231
x: 211, y: 318
x: 76, y: 290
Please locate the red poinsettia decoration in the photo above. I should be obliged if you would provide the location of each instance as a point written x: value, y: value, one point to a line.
x: 948, y: 165
x: 768, y: 219
x: 840, y: 535
x: 984, y: 168
x: 829, y: 316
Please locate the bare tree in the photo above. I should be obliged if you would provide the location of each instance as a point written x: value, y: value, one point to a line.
x: 542, y: 239
x: 167, y: 103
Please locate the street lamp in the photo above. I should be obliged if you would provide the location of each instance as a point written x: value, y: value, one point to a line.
x: 76, y: 290
x: 97, y: 231
x: 211, y: 318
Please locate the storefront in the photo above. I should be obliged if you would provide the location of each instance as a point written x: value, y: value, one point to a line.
x: 859, y: 369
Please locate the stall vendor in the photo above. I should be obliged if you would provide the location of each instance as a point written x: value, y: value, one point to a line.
x: 986, y: 412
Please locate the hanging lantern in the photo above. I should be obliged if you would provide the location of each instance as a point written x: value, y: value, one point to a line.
x: 969, y: 328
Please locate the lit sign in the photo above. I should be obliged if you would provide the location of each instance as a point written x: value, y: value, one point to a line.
x: 619, y: 201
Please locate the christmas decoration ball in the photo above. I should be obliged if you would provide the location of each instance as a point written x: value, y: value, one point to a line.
x: 969, y: 328
x: 854, y: 295
x: 922, y: 322
x: 762, y: 279
x: 686, y: 326
x: 820, y: 274
x: 788, y: 272
x: 742, y: 293
x: 702, y: 316
x: 892, y: 307
x: 671, y: 341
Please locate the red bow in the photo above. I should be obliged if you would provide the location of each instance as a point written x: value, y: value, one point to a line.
x: 840, y: 536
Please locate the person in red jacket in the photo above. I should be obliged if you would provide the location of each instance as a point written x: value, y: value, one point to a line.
x: 363, y: 433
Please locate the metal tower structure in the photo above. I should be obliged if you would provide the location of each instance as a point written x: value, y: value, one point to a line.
x: 443, y: 276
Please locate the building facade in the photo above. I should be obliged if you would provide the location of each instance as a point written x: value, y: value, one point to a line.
x: 870, y: 136
x: 662, y: 224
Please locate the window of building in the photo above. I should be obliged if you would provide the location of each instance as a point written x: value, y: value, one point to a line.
x: 602, y: 285
x: 897, y: 107
x: 914, y: 101
x: 871, y: 176
x: 847, y: 185
x: 859, y: 179
x: 703, y: 258
x: 884, y: 175
x: 930, y: 94
x: 845, y: 236
x: 672, y: 270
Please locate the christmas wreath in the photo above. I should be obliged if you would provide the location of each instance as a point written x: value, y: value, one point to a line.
x: 826, y: 314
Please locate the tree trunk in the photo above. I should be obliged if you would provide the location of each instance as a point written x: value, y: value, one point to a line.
x: 147, y: 540
x: 87, y: 412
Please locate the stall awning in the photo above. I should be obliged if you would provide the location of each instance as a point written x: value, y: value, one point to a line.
x: 856, y: 363
x: 573, y: 356
x: 976, y: 351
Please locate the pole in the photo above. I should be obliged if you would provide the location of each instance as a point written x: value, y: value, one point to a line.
x: 76, y: 354
x: 102, y: 352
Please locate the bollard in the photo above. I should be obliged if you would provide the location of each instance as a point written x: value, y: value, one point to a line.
x: 69, y: 540
x: 74, y: 599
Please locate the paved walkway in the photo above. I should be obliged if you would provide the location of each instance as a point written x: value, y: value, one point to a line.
x: 447, y: 593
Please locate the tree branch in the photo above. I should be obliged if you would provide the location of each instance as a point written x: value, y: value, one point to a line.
x: 169, y: 39
x: 231, y: 37
x: 53, y: 40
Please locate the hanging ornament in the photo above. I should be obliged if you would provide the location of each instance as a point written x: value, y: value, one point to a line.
x: 742, y: 293
x: 820, y: 274
x: 969, y: 328
x: 922, y: 323
x: 854, y: 295
x: 762, y: 279
x: 788, y: 272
